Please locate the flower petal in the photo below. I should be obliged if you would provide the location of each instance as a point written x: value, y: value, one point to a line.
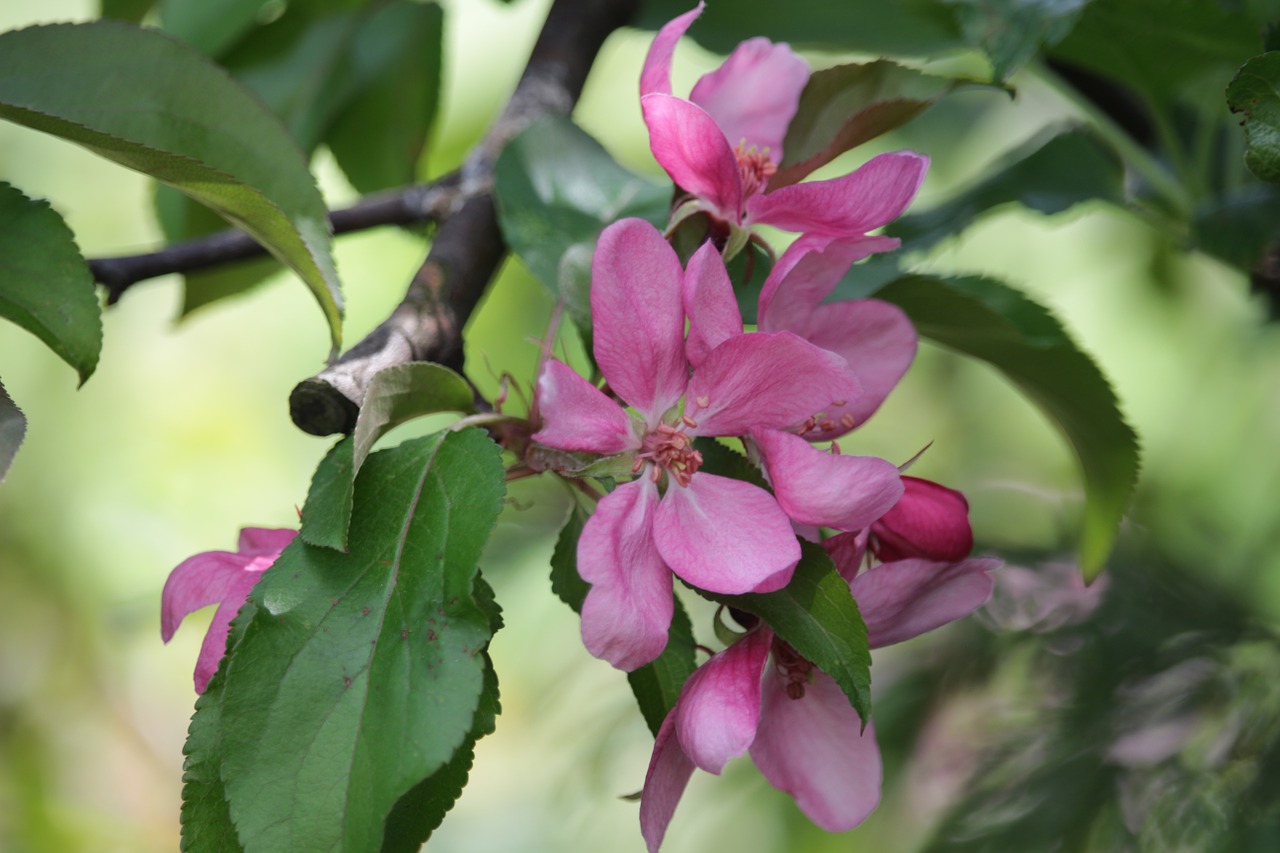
x: 578, y: 416
x: 719, y: 706
x: 754, y: 94
x: 930, y: 521
x: 690, y: 146
x: 669, y: 772
x: 814, y: 749
x: 209, y: 578
x: 656, y: 74
x: 264, y: 540
x: 627, y: 612
x: 214, y: 646
x: 725, y: 536
x: 847, y: 551
x: 878, y: 342
x: 906, y: 598
x: 829, y: 490
x: 638, y: 314
x: 765, y: 381
x: 806, y: 274
x: 710, y: 304
x: 867, y: 199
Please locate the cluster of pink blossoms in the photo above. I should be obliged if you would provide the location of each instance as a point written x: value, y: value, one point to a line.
x: 678, y: 365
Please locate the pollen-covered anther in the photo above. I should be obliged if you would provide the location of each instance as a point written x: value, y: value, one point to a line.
x: 671, y: 450
x: 827, y: 425
x: 755, y: 167
x: 835, y: 448
x: 848, y: 421
x: 793, y: 668
x: 689, y: 422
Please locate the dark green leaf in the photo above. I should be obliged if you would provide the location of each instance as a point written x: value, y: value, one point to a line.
x: 126, y: 10
x: 913, y: 28
x: 13, y: 427
x: 1157, y: 46
x: 656, y: 685
x: 1010, y: 32
x: 1239, y: 228
x: 557, y: 189
x: 150, y: 103
x: 379, y: 137
x: 1255, y: 94
x: 566, y: 583
x: 816, y: 615
x: 845, y: 106
x: 326, y: 517
x: 395, y: 395
x: 359, y: 675
x: 1050, y: 173
x: 206, y: 816
x: 210, y: 27
x: 45, y: 285
x: 996, y: 324
x: 726, y: 462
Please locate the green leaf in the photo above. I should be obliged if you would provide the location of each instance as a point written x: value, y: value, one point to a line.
x: 847, y: 105
x: 557, y: 189
x: 210, y: 27
x: 13, y: 428
x: 1011, y: 32
x: 395, y: 396
x: 816, y: 615
x: 865, y: 26
x: 206, y: 815
x: 1050, y: 173
x: 996, y: 324
x: 1255, y: 94
x: 151, y: 103
x: 1239, y: 227
x: 726, y: 462
x: 656, y: 685
x: 359, y: 675
x: 45, y: 285
x: 126, y: 10
x: 397, y: 58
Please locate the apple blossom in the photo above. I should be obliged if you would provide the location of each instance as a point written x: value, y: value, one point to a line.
x: 723, y: 144
x: 223, y: 578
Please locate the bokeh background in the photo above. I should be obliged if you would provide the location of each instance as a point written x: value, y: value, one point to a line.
x: 1140, y: 713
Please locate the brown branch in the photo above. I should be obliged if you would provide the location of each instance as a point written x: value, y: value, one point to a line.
x: 468, y: 247
x: 417, y: 204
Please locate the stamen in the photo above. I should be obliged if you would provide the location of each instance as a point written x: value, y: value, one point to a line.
x: 848, y: 420
x: 827, y: 425
x: 755, y: 167
x: 835, y: 448
x: 689, y: 422
x: 703, y: 402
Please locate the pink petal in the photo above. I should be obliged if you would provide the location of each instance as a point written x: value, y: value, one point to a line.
x: 879, y: 343
x: 847, y: 551
x: 209, y: 578
x: 710, y: 304
x: 753, y: 95
x: 690, y: 146
x: 829, y: 490
x: 214, y: 646
x: 656, y: 74
x: 264, y: 540
x: 669, y: 772
x: 638, y: 316
x: 930, y: 521
x: 627, y: 611
x: 904, y: 599
x: 867, y: 199
x: 578, y: 416
x: 806, y: 274
x: 719, y: 706
x: 765, y: 381
x: 725, y: 536
x: 814, y: 749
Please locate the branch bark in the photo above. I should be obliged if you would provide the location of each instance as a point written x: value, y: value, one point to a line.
x: 418, y: 204
x: 468, y: 247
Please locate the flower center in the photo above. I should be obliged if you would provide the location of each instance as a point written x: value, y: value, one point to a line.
x: 670, y: 448
x: 755, y: 167
x: 794, y: 669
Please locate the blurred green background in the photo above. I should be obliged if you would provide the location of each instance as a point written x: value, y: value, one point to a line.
x: 1161, y: 696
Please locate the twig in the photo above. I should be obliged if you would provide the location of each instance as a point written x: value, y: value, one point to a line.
x: 468, y: 247
x: 421, y: 203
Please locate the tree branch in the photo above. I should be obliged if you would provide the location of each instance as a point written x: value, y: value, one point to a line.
x: 468, y: 247
x: 421, y: 203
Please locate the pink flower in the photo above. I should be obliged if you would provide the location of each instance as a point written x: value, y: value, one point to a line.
x: 797, y: 723
x: 724, y: 144
x: 929, y: 521
x: 719, y: 534
x: 222, y: 578
x: 875, y: 338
